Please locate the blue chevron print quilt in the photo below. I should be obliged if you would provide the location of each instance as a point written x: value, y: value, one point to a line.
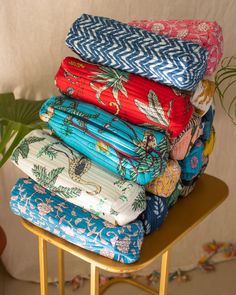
x: 130, y: 151
x: 160, y: 58
x: 68, y: 221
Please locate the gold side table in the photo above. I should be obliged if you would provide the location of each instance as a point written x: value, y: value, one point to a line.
x: 209, y: 193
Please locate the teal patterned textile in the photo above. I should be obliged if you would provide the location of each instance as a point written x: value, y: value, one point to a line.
x: 70, y: 222
x: 132, y: 152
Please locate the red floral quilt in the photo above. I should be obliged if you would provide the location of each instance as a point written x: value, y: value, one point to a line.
x: 136, y: 99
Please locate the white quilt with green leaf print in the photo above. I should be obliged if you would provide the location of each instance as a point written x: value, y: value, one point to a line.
x: 72, y: 176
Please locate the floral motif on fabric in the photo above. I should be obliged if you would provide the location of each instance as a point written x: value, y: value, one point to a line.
x: 72, y: 223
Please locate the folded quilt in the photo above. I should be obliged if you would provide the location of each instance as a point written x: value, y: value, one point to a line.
x: 207, y: 121
x: 65, y: 220
x: 129, y: 96
x: 173, y: 198
x: 182, y: 144
x: 72, y: 176
x: 205, y: 33
x: 209, y: 144
x: 203, y: 96
x: 155, y: 213
x: 165, y: 184
x: 192, y: 164
x: 130, y: 151
x: 111, y: 43
x: 189, y: 185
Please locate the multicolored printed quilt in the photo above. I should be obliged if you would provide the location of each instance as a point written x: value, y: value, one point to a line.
x: 138, y: 100
x: 130, y: 151
x: 68, y: 221
x: 182, y: 144
x: 165, y: 184
x: 111, y: 43
x: 205, y: 33
x: 193, y: 163
x: 72, y: 176
x: 202, y: 98
x: 155, y: 213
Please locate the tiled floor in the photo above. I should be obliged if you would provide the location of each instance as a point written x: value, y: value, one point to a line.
x: 220, y: 282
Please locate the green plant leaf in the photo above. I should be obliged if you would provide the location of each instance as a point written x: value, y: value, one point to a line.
x: 17, y: 119
x: 225, y: 84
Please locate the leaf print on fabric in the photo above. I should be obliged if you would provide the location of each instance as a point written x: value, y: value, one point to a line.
x: 139, y: 203
x: 158, y: 208
x: 48, y: 151
x: 153, y: 110
x: 23, y: 148
x: 112, y: 79
x: 67, y: 192
x: 46, y: 179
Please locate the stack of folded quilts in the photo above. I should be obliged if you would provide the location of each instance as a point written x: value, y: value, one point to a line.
x: 131, y: 132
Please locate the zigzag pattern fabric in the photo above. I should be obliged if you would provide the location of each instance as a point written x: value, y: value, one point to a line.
x: 111, y: 43
x: 70, y: 222
x: 205, y: 33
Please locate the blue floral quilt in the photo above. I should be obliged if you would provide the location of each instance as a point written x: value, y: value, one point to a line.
x: 68, y: 221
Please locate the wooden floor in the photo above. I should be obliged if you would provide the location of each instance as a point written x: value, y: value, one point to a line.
x: 220, y: 282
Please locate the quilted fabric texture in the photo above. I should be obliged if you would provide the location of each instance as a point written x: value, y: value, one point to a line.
x: 173, y: 198
x: 183, y: 143
x: 73, y: 177
x: 209, y: 144
x: 205, y: 33
x: 132, y: 152
x: 165, y: 184
x: 192, y: 164
x: 129, y: 96
x: 155, y: 213
x: 189, y: 185
x: 160, y: 58
x: 203, y: 96
x: 207, y: 122
x: 65, y: 220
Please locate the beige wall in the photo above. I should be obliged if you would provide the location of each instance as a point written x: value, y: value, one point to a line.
x: 32, y: 45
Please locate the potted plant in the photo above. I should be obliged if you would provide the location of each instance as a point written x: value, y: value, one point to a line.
x: 17, y: 118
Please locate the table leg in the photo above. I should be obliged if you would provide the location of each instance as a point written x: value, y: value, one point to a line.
x: 61, y: 282
x: 94, y: 280
x: 164, y: 273
x: 43, y: 266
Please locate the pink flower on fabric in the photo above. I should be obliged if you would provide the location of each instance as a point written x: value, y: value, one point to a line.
x: 123, y: 245
x: 157, y: 27
x: 22, y: 209
x: 39, y: 189
x: 113, y: 240
x: 108, y: 224
x: 44, y: 209
x: 27, y: 181
x: 203, y: 27
x: 68, y: 230
x: 182, y: 33
x: 194, y: 162
x: 107, y: 253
